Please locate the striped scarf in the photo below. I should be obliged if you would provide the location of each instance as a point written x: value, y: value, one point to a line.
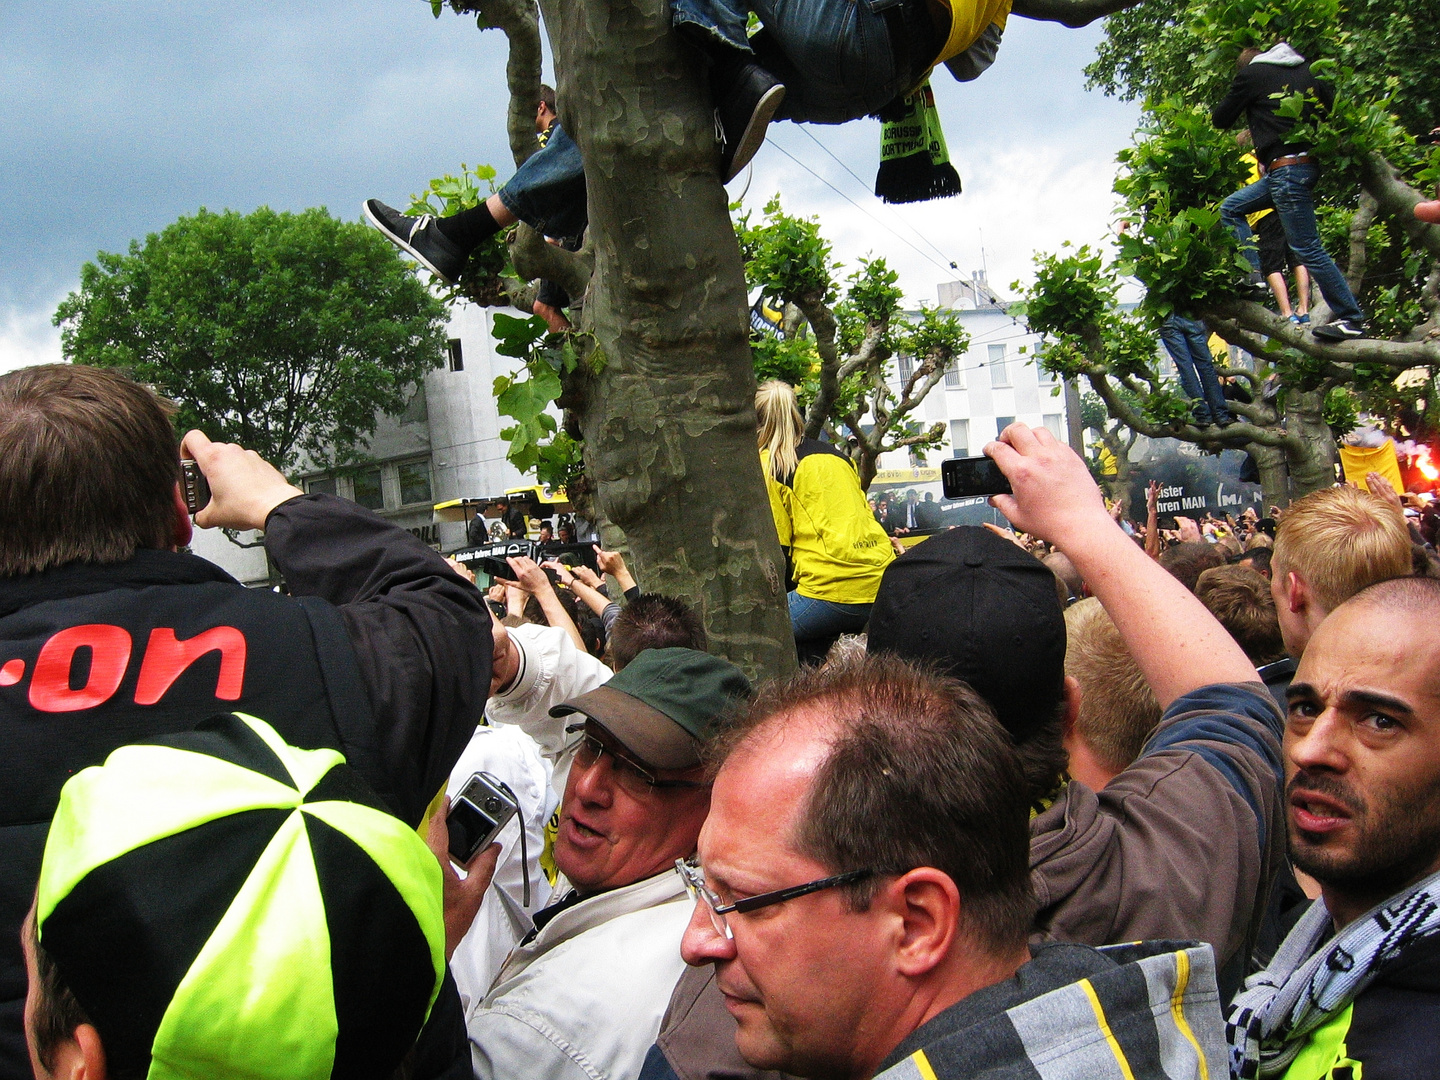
x: 1307, y: 984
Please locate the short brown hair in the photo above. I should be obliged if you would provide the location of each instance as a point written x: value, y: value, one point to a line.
x: 653, y: 621
x: 1246, y: 55
x: 1239, y: 597
x: 88, y: 467
x: 1339, y: 540
x: 57, y: 1014
x: 919, y: 773
x: 1118, y: 710
x: 1187, y: 561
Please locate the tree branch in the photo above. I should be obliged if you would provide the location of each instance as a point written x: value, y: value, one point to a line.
x: 1359, y: 253
x: 1070, y: 13
x: 1396, y: 199
x: 822, y: 320
x: 533, y: 258
x: 1247, y: 315
x: 520, y: 22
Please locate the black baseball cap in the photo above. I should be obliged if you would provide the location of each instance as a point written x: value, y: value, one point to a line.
x: 980, y: 609
x: 665, y: 705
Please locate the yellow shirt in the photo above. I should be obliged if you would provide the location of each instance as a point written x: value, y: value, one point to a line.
x: 1254, y: 219
x: 968, y: 20
x: 838, y: 549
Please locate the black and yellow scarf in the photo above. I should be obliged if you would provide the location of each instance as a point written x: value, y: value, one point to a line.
x: 914, y: 163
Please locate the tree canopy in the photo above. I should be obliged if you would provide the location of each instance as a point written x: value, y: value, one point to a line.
x: 1179, y: 58
x: 286, y: 333
x: 843, y: 367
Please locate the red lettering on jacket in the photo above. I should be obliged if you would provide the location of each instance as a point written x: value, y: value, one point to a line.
x: 12, y: 672
x: 166, y: 658
x: 50, y: 684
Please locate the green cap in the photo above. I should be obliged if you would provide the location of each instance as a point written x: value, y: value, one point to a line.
x: 665, y: 704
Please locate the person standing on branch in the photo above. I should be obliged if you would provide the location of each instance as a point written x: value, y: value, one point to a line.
x: 1291, y: 168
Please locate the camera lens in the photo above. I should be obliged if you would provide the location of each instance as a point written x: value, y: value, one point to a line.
x: 493, y: 805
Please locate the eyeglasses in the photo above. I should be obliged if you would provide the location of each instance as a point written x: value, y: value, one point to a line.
x: 694, y: 879
x: 629, y: 773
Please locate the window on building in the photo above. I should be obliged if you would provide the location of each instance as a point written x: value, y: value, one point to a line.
x: 324, y: 485
x: 1052, y: 422
x: 457, y: 355
x: 954, y: 379
x: 907, y: 368
x: 960, y: 437
x: 998, y: 365
x: 368, y: 492
x: 414, y: 482
x: 1001, y: 423
x: 1045, y: 378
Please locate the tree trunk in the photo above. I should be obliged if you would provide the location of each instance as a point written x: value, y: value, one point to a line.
x: 1274, y: 474
x: 669, y: 421
x: 1312, y: 455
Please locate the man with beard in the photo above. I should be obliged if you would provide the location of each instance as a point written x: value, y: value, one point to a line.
x: 1355, y: 988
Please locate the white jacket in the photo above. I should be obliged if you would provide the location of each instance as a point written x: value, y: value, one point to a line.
x: 552, y: 670
x: 505, y: 918
x: 583, y: 1001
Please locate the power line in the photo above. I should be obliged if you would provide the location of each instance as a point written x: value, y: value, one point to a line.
x: 924, y: 239
x: 852, y: 202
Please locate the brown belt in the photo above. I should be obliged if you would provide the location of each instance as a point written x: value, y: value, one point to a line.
x: 1292, y: 159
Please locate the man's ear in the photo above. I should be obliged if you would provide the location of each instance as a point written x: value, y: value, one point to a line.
x: 928, y: 905
x: 184, y: 528
x: 1296, y: 592
x: 81, y: 1057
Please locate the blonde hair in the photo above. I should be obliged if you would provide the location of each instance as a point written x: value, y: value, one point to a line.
x: 781, y: 426
x: 1340, y: 540
x: 1118, y: 710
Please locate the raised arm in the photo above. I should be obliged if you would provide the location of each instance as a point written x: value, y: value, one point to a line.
x: 1175, y: 640
x: 531, y: 577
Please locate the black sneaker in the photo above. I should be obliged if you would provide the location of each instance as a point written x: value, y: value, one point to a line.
x: 743, y: 110
x: 1340, y: 330
x: 419, y: 237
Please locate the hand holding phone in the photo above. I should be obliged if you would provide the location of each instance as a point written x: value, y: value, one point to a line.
x: 966, y: 478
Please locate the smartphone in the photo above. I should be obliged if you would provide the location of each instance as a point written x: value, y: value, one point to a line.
x: 489, y: 564
x: 197, y: 488
x: 483, y: 807
x: 965, y: 478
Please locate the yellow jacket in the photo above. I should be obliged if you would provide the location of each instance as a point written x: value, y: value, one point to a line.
x: 968, y: 20
x: 837, y: 548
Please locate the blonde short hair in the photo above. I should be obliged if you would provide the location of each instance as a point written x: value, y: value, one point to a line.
x: 1341, y: 540
x: 1118, y: 710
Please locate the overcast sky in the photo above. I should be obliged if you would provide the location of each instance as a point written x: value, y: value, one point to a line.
x: 121, y: 116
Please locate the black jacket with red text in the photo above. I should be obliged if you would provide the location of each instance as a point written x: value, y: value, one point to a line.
x: 382, y: 652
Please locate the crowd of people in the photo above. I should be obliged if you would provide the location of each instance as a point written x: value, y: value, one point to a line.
x: 1074, y: 802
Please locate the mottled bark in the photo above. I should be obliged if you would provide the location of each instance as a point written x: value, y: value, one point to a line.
x: 1311, y: 453
x: 669, y: 421
x: 1274, y: 474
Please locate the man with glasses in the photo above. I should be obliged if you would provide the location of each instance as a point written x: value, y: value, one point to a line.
x: 863, y: 891
x: 583, y: 995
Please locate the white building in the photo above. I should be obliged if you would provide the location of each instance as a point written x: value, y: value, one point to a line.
x: 446, y: 445
x: 994, y: 384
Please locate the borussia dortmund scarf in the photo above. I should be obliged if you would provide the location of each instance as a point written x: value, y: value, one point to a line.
x: 914, y: 164
x: 1308, y: 982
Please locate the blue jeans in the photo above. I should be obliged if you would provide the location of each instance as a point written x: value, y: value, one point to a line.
x: 1289, y: 189
x: 813, y: 618
x: 834, y: 56
x: 1187, y: 342
x: 548, y: 191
